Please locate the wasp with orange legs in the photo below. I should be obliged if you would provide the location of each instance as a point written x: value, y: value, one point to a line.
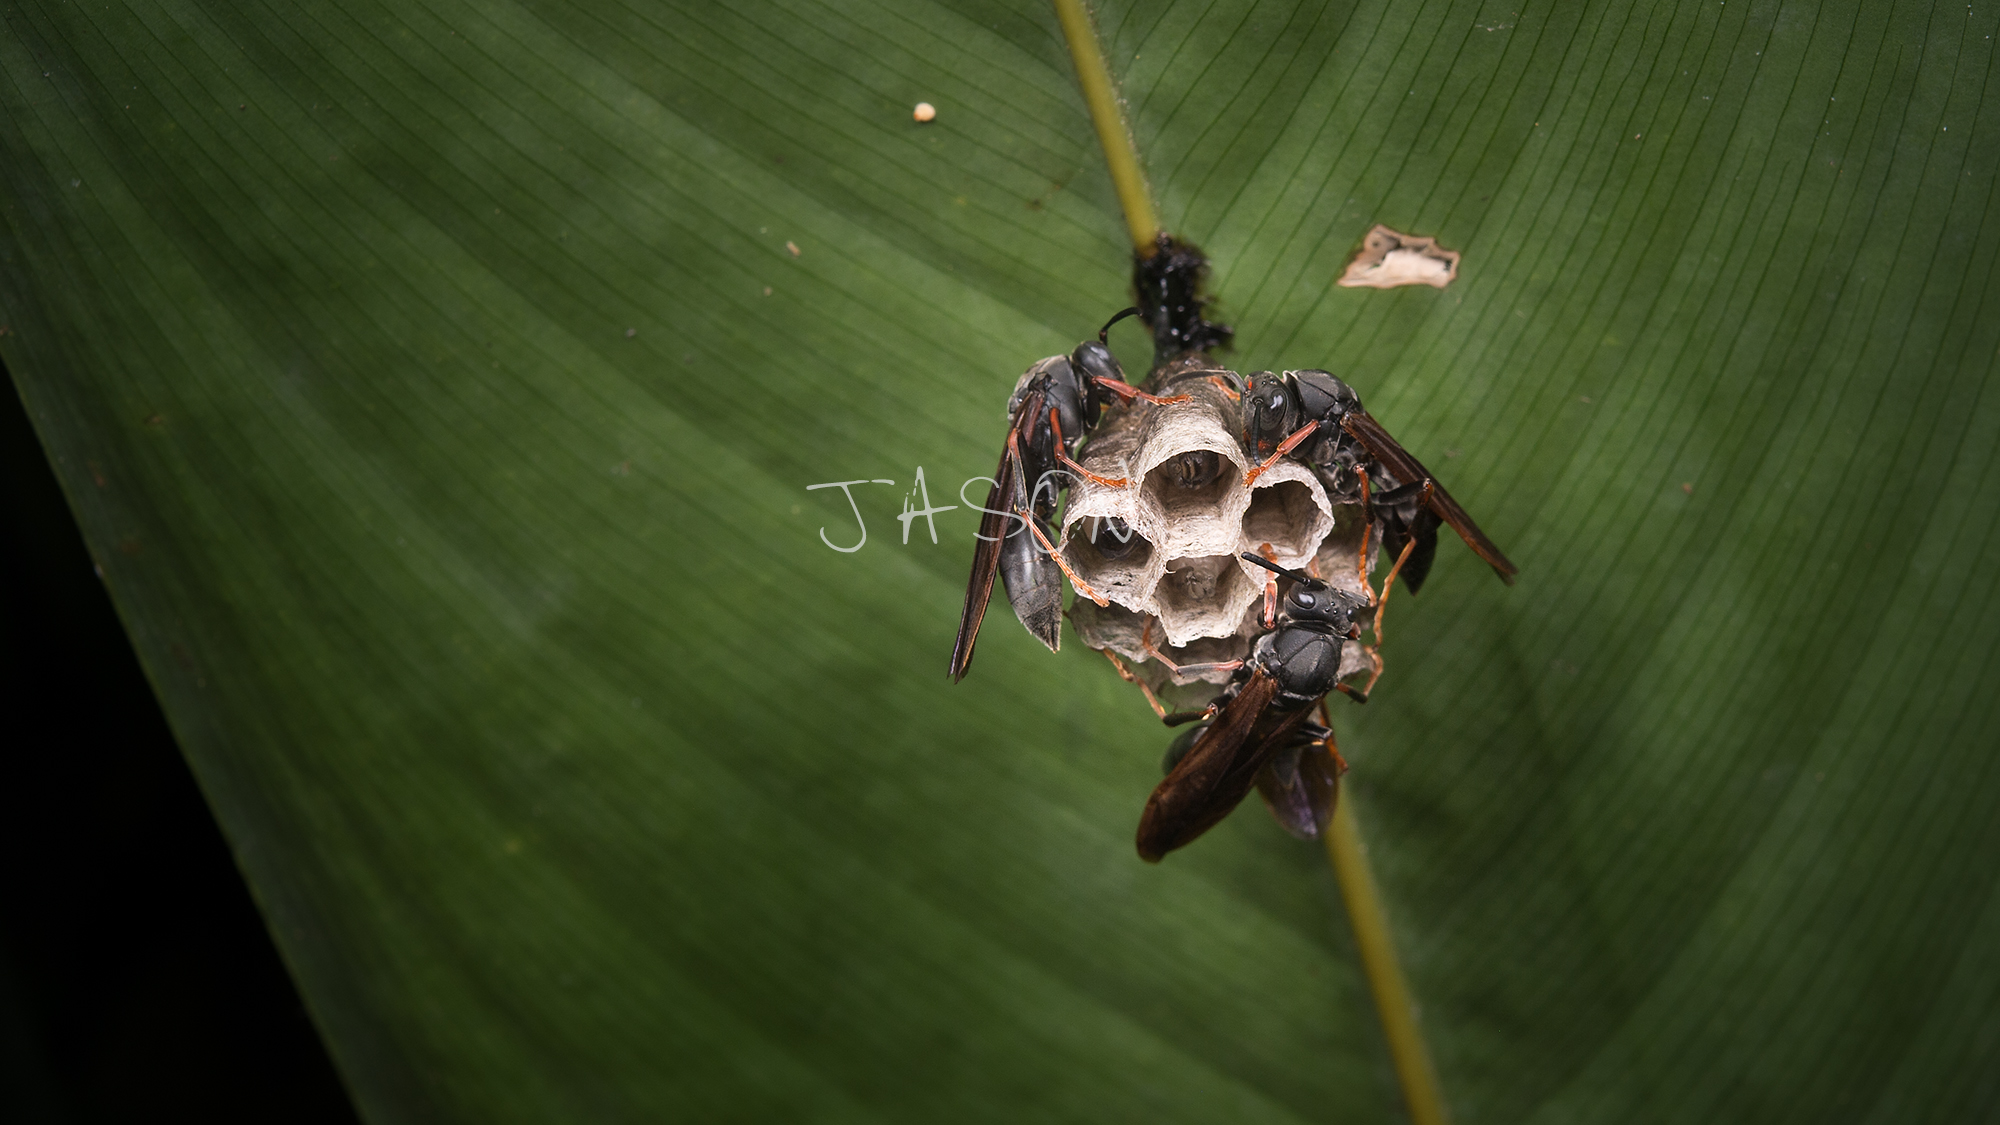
x: 1316, y: 418
x: 1054, y: 406
x: 1257, y: 735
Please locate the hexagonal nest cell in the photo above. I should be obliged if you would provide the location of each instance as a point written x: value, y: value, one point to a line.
x: 1192, y: 484
x: 1284, y: 515
x: 1109, y: 554
x: 1204, y: 595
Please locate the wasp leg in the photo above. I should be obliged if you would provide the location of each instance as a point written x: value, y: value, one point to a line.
x: 1418, y: 560
x: 1197, y: 669
x: 1326, y: 724
x: 1270, y: 588
x: 1284, y: 447
x: 1232, y: 392
x: 1125, y: 674
x: 1055, y: 424
x: 1152, y: 650
x: 1075, y: 580
x: 1126, y: 392
x: 1333, y: 748
x: 1367, y: 530
x: 1382, y: 605
x: 1374, y: 674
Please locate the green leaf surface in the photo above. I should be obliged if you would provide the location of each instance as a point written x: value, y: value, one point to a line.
x: 439, y: 396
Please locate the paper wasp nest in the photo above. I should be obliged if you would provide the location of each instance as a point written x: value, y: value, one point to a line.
x: 1190, y: 517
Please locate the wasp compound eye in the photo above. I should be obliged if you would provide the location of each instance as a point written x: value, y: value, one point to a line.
x: 1315, y: 602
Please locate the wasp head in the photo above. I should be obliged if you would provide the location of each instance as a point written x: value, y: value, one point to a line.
x: 1315, y: 601
x: 1311, y: 600
x: 1270, y: 413
x: 1092, y: 361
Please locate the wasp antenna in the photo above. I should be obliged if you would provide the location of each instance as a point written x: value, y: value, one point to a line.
x: 1104, y: 333
x: 1267, y: 564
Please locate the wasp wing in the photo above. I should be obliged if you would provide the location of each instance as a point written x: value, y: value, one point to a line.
x: 1218, y: 771
x: 1300, y: 782
x: 1407, y: 470
x: 1034, y: 584
x: 1001, y: 500
x: 1420, y: 530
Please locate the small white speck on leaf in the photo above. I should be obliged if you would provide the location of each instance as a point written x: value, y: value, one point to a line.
x: 924, y: 113
x: 793, y: 247
x: 767, y: 291
x: 631, y: 332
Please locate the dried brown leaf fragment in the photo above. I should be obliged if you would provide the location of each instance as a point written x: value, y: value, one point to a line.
x: 1389, y: 258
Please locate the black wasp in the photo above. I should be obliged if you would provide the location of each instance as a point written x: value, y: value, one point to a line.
x: 1261, y: 734
x: 1315, y: 418
x: 1054, y: 406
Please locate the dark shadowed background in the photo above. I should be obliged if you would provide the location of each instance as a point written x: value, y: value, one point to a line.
x: 137, y: 980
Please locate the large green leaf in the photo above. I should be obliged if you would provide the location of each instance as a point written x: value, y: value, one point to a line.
x: 437, y: 392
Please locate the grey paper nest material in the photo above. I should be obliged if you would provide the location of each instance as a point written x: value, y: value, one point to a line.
x: 1183, y: 567
x: 1180, y: 572
x: 1118, y: 630
x: 1121, y: 630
